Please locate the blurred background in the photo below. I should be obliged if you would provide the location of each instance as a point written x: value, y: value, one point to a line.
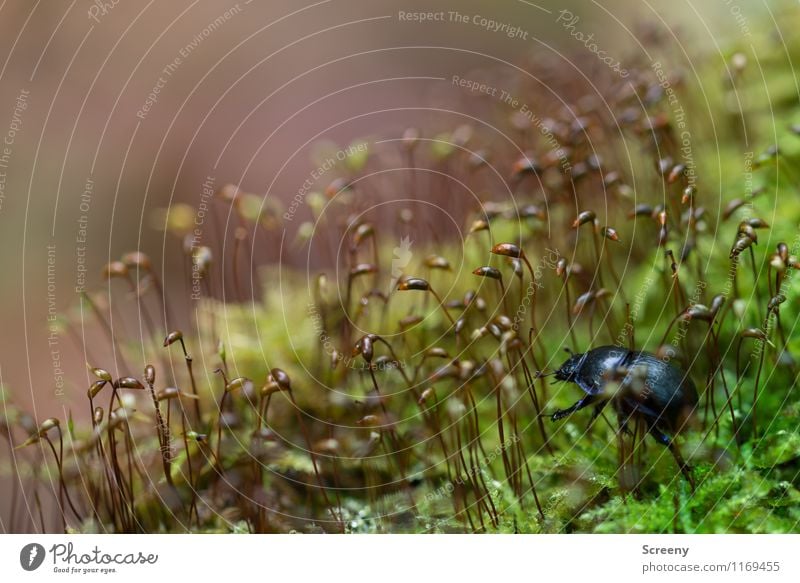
x: 112, y: 110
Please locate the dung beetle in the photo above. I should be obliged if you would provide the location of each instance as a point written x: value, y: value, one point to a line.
x: 649, y: 388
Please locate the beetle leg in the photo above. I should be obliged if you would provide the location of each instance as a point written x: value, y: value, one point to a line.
x: 623, y: 416
x: 660, y: 436
x: 585, y: 402
x: 597, y: 410
x: 664, y: 439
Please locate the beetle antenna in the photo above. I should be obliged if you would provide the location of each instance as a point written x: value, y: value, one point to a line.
x: 569, y: 351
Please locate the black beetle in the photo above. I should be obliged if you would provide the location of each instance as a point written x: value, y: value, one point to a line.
x: 650, y: 388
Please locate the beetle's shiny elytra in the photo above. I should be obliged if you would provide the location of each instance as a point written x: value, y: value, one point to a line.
x: 653, y: 390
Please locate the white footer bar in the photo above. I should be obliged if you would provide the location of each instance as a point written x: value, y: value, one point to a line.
x: 400, y: 558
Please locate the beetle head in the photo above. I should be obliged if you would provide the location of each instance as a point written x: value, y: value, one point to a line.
x: 569, y: 369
